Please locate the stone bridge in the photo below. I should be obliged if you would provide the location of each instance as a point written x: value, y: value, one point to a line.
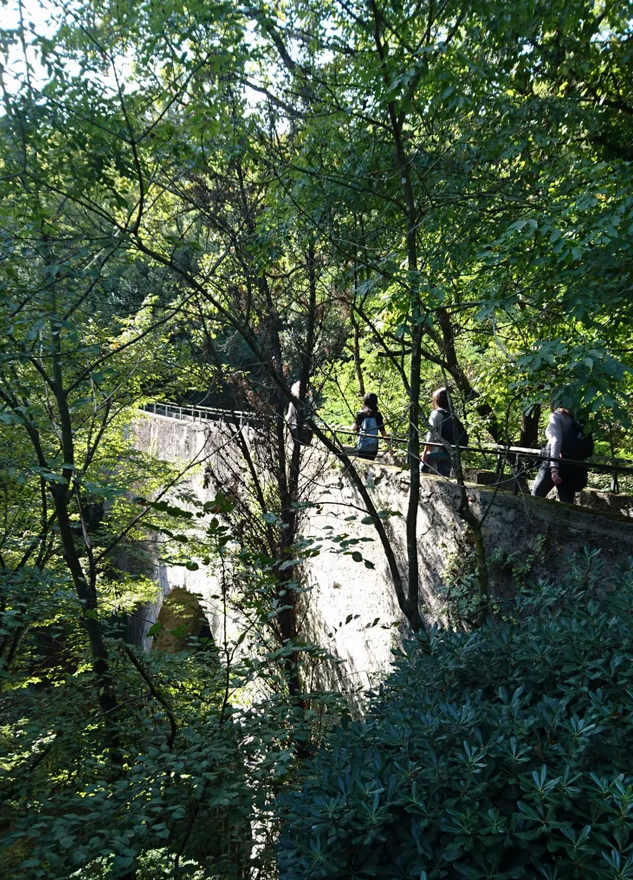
x: 352, y: 609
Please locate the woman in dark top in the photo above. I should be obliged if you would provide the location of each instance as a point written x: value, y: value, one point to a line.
x: 369, y: 423
x: 436, y: 459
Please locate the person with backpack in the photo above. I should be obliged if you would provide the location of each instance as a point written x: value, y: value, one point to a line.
x: 442, y: 427
x: 567, y: 441
x: 369, y: 423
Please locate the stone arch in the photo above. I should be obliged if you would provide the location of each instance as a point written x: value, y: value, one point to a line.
x: 180, y: 617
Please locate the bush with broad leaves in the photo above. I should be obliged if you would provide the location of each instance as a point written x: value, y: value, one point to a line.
x: 502, y: 753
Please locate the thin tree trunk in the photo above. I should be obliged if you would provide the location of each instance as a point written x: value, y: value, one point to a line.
x: 288, y: 617
x: 466, y: 513
x: 409, y: 608
x: 85, y: 587
x: 397, y: 121
x: 530, y: 427
x: 446, y: 345
x: 358, y: 366
x: 88, y: 598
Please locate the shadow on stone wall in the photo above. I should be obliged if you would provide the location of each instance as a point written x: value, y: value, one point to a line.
x: 525, y: 538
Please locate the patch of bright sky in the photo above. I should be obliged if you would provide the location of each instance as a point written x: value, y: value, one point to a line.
x: 34, y: 18
x: 28, y: 20
x: 31, y: 20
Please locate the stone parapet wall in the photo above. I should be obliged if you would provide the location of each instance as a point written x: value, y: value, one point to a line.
x: 520, y: 533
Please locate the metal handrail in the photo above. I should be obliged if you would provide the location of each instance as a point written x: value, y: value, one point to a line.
x: 244, y: 417
x: 202, y: 413
x: 600, y: 463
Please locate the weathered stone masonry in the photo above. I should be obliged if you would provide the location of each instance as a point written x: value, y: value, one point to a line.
x: 344, y: 590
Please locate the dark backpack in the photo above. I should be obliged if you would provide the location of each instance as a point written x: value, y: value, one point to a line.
x: 452, y: 429
x: 577, y: 446
x: 368, y: 435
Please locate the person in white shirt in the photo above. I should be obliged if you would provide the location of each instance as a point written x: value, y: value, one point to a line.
x: 560, y: 422
x: 305, y: 435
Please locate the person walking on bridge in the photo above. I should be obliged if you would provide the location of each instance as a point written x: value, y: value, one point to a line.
x: 303, y: 434
x: 566, y: 440
x: 444, y: 427
x: 369, y: 423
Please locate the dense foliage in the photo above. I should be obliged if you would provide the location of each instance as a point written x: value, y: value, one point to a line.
x: 179, y: 777
x: 222, y: 203
x: 502, y: 753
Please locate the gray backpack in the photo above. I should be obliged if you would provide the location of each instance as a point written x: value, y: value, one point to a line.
x: 368, y: 435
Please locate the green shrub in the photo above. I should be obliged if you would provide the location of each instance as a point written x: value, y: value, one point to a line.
x: 503, y: 753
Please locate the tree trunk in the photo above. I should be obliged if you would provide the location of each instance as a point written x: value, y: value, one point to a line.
x: 85, y: 586
x: 358, y: 365
x: 465, y: 512
x: 410, y: 609
x: 446, y: 345
x: 397, y: 122
x: 530, y: 427
x: 88, y: 598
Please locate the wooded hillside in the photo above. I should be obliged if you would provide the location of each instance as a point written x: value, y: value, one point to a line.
x: 257, y: 205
